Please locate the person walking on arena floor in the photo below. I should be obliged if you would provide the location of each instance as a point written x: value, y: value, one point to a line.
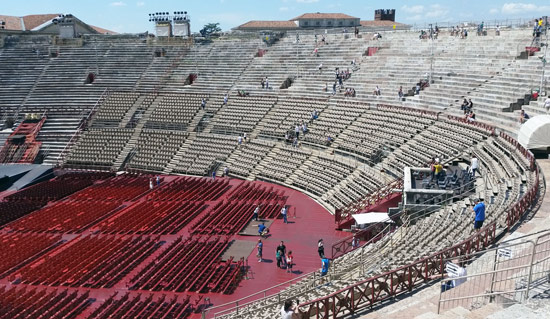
x: 284, y: 211
x: 479, y: 211
x: 158, y: 181
x: 213, y: 175
x: 289, y: 261
x: 321, y: 249
x: 280, y: 254
x: 150, y: 183
x: 260, y: 248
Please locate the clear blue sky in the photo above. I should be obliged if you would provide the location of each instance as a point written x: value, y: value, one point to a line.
x: 132, y: 15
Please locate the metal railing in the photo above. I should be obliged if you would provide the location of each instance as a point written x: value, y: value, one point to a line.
x: 508, y: 273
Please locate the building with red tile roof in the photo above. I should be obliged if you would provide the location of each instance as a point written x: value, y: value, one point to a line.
x: 44, y: 23
x: 383, y: 18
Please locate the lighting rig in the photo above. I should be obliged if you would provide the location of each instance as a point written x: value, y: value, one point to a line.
x: 165, y: 23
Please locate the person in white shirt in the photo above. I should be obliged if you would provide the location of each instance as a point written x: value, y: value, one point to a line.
x: 288, y: 311
x: 474, y: 165
x: 547, y: 104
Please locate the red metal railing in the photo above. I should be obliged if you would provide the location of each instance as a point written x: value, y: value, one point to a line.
x: 401, y: 109
x: 405, y: 279
x: 489, y: 128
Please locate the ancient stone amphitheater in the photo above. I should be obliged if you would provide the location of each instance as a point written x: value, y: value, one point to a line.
x: 142, y: 114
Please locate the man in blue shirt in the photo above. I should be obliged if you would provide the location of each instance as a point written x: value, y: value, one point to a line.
x: 325, y: 263
x: 479, y: 211
x: 262, y: 230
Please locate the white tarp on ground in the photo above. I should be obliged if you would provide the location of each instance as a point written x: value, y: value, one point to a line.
x: 535, y: 133
x: 371, y: 218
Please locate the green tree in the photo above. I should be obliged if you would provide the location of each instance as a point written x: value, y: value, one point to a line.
x: 209, y: 29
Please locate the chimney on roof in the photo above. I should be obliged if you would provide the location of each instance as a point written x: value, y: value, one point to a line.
x: 384, y: 14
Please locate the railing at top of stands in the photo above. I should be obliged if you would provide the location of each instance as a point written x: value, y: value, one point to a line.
x: 525, y: 152
x: 404, y: 279
x: 83, y: 124
x: 488, y: 24
x: 401, y: 109
x: 489, y: 128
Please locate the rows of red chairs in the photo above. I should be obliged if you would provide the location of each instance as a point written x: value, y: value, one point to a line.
x: 16, y: 249
x: 56, y: 188
x: 92, y: 261
x: 138, y: 306
x: 224, y: 277
x: 120, y: 188
x: 27, y: 302
x: 253, y: 192
x: 64, y: 216
x: 226, y: 217
x: 10, y: 211
x: 190, y: 188
x: 152, y: 217
x: 184, y: 266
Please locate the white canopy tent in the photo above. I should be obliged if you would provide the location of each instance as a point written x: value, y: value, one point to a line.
x: 535, y: 133
x: 371, y: 218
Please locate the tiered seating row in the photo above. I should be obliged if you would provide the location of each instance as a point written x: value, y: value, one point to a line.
x: 17, y: 248
x: 106, y: 261
x: 242, y: 114
x: 156, y: 149
x: 283, y: 163
x: 33, y: 303
x: 184, y: 266
x: 243, y: 160
x: 175, y: 111
x: 99, y: 147
x: 115, y: 106
x: 203, y: 152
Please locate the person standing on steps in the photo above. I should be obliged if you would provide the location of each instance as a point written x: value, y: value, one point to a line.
x: 256, y: 213
x: 474, y: 165
x: 321, y: 248
x: 479, y: 212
